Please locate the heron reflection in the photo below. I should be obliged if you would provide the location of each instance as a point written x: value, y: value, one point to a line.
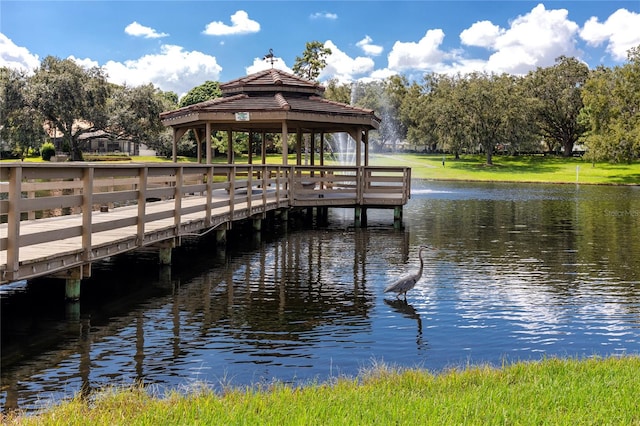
x: 407, y: 310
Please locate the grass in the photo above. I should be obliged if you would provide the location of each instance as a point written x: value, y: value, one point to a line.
x: 526, y: 168
x: 552, y: 391
x: 534, y: 168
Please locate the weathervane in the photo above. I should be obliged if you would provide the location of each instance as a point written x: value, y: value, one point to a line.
x: 269, y: 57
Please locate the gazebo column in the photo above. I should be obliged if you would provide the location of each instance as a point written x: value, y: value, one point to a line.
x: 358, y: 139
x: 299, y: 146
x: 250, y: 144
x: 366, y: 147
x: 285, y: 143
x: 313, y: 148
x: 198, y: 146
x: 229, y: 146
x: 322, y: 148
x: 207, y: 142
x: 177, y: 134
x: 264, y: 147
x: 174, y: 148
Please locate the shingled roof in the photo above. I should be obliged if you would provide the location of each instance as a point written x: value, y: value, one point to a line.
x: 272, y: 96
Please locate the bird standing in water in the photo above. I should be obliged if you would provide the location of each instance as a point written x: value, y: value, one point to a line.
x: 407, y: 282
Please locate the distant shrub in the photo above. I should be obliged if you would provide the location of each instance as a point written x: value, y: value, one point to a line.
x: 47, y: 150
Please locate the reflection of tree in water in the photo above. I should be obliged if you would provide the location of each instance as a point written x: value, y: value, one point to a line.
x: 407, y: 310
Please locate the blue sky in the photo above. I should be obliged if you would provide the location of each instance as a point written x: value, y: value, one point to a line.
x: 177, y: 45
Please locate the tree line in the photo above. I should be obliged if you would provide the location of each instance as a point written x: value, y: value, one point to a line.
x: 557, y: 109
x: 551, y: 109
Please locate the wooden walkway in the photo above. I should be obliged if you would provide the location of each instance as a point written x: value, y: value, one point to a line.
x: 57, y: 219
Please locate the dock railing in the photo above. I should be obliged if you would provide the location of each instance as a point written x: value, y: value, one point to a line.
x: 57, y: 216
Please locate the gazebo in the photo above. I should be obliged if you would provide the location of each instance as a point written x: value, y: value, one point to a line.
x: 267, y: 102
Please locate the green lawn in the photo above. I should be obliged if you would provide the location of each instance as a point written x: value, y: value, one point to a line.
x: 534, y: 168
x: 513, y: 169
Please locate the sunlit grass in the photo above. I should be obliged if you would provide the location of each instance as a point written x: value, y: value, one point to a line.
x: 535, y: 168
x: 525, y: 168
x: 553, y: 391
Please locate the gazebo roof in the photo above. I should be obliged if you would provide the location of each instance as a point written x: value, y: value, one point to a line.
x: 264, y: 100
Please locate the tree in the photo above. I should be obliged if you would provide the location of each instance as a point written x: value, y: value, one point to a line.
x: 312, y: 61
x: 206, y: 91
x: 612, y: 111
x: 415, y: 110
x: 557, y: 93
x: 72, y: 99
x: 385, y: 98
x: 134, y: 114
x: 335, y: 91
x: 490, y: 101
x: 20, y: 125
x: 442, y: 115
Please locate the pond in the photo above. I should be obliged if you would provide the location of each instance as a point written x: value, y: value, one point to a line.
x: 517, y: 272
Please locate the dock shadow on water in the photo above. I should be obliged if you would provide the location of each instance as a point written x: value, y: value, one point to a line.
x: 519, y: 272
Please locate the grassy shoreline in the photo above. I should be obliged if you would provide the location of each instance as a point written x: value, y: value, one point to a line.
x: 521, y: 169
x: 551, y: 391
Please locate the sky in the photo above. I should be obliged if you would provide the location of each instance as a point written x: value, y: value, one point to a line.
x: 178, y: 45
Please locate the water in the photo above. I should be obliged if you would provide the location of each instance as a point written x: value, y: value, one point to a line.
x: 520, y: 272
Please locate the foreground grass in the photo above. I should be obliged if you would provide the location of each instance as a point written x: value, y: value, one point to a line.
x: 553, y: 391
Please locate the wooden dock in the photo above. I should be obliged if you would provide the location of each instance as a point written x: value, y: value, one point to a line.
x: 56, y: 219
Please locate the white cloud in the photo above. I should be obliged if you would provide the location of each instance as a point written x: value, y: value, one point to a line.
x: 421, y: 55
x: 369, y: 48
x: 343, y: 67
x: 85, y: 63
x: 260, y: 64
x: 482, y: 34
x: 173, y: 69
x: 324, y: 15
x: 621, y: 31
x: 240, y: 24
x: 532, y: 40
x: 137, y: 30
x: 16, y: 57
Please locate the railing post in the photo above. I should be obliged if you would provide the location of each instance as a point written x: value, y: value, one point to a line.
x: 13, y: 219
x: 232, y: 191
x: 359, y: 185
x: 87, y: 212
x: 249, y: 187
x: 178, y: 200
x: 264, y: 186
x: 209, y: 195
x: 143, y: 174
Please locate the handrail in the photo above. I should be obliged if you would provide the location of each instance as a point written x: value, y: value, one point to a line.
x: 165, y: 199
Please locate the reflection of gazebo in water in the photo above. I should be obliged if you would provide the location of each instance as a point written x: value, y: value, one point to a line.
x: 267, y: 102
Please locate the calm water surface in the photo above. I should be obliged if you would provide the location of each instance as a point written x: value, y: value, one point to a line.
x: 518, y: 272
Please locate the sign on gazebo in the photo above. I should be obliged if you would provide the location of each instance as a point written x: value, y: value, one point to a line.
x: 242, y: 116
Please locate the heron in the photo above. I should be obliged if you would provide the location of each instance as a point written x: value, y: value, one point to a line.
x: 407, y: 282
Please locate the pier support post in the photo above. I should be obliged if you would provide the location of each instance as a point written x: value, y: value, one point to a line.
x: 397, y: 217
x: 221, y: 237
x: 73, y: 277
x: 166, y: 248
x: 360, y: 217
x: 165, y: 255
x: 323, y: 216
x: 72, y: 289
x: 257, y: 224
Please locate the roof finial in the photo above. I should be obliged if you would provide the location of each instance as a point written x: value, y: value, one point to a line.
x: 269, y: 57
